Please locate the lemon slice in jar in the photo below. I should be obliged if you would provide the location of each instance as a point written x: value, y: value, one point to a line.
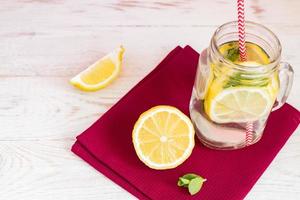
x: 238, y: 104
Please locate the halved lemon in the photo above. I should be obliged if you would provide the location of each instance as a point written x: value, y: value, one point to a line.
x: 238, y: 104
x: 101, y: 73
x: 163, y: 137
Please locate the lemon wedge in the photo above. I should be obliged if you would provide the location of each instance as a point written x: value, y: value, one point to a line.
x: 101, y: 73
x: 163, y: 137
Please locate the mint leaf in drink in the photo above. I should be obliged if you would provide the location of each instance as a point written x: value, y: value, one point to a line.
x: 191, y: 181
x: 234, y: 80
x: 232, y: 54
x: 239, y: 79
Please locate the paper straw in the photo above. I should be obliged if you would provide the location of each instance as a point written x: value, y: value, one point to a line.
x: 243, y: 57
x: 249, y: 133
x: 241, y: 29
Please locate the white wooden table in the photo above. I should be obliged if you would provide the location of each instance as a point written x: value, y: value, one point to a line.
x: 44, y: 43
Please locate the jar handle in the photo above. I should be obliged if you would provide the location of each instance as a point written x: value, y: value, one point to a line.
x: 286, y: 75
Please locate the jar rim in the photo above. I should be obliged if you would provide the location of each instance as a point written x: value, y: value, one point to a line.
x: 271, y: 66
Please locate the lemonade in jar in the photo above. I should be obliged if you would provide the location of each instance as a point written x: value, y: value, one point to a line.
x: 231, y: 96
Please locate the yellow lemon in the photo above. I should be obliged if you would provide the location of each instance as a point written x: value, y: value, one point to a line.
x: 101, y: 73
x: 163, y: 137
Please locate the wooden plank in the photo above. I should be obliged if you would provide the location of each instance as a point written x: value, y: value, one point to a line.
x: 37, y: 170
x: 64, y: 54
x: 50, y: 108
x: 32, y: 170
x: 69, y: 14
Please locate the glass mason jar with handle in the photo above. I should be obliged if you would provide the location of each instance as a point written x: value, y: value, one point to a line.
x: 232, y: 99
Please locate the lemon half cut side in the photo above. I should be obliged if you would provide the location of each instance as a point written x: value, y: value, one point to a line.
x: 163, y: 137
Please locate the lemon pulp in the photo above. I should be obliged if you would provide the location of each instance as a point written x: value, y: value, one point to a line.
x: 101, y: 73
x: 163, y: 137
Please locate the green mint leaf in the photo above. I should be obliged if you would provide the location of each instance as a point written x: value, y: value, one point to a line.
x: 239, y: 79
x: 183, y: 182
x: 195, y: 185
x: 233, y: 54
x: 190, y: 176
x: 233, y: 81
x: 191, y: 181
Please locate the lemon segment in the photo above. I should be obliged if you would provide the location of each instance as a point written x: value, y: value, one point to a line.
x: 101, y: 73
x: 163, y: 137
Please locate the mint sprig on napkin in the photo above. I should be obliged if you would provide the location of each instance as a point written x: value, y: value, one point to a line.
x: 193, y: 182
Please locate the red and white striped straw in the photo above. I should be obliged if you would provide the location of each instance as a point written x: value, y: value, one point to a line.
x: 241, y: 29
x: 243, y: 57
x: 249, y: 133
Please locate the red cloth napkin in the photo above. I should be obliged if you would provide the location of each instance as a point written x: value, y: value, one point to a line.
x: 107, y: 144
